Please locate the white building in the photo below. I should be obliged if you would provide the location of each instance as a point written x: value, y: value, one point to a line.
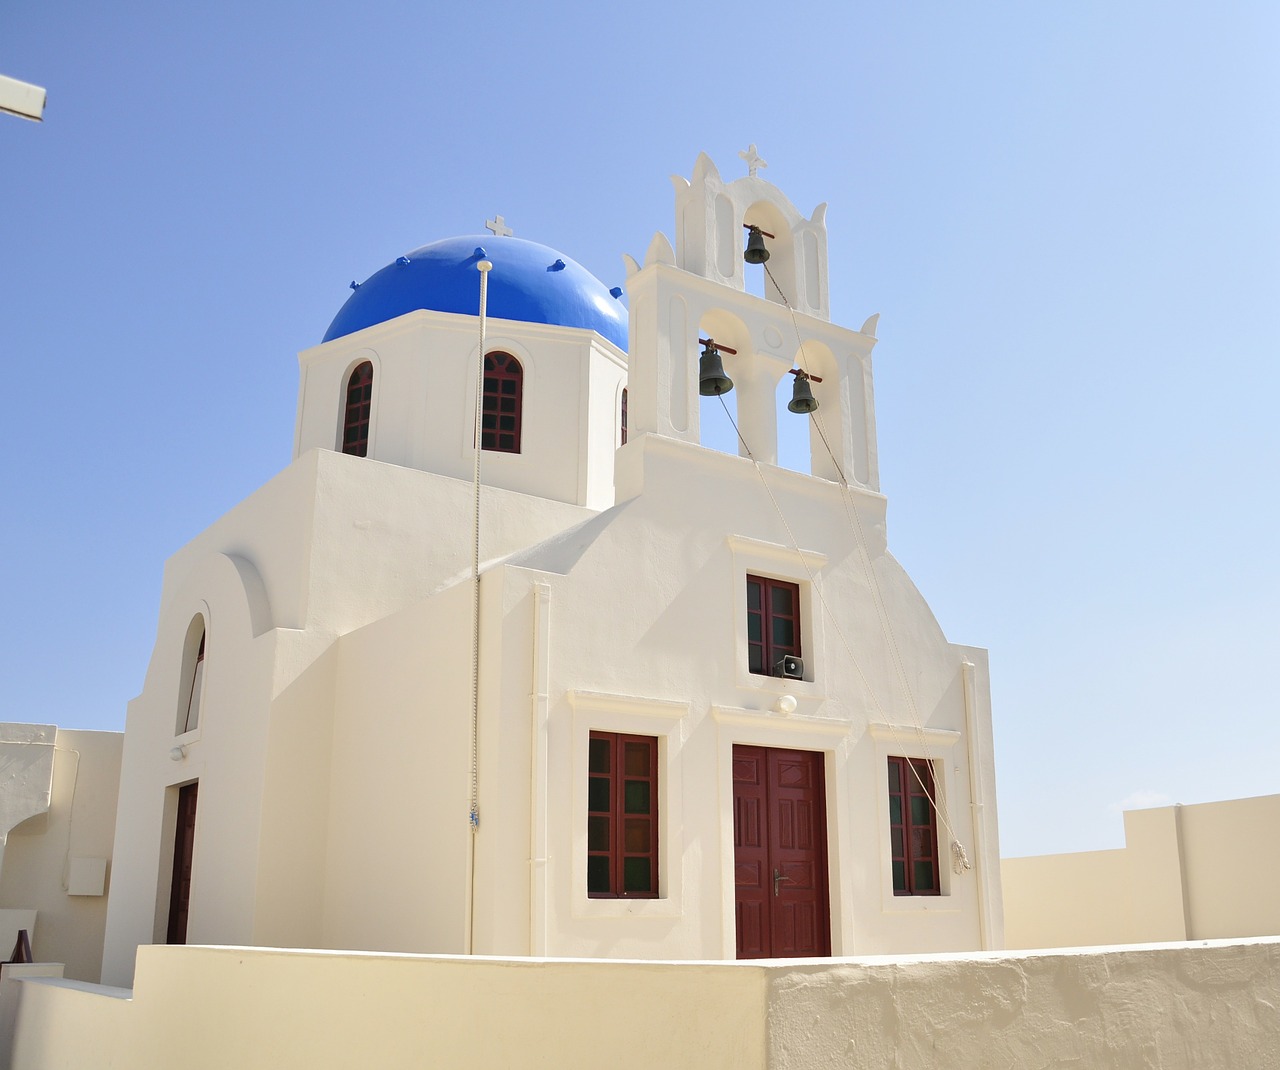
x: 714, y: 716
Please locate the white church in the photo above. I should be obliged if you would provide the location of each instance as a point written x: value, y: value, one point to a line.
x: 592, y: 690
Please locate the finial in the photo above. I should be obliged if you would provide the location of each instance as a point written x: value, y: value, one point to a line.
x: 753, y: 160
x: 499, y: 227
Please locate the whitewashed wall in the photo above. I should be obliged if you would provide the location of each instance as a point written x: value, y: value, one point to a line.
x: 1178, y: 1007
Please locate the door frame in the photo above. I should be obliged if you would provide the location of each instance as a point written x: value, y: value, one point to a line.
x: 754, y: 728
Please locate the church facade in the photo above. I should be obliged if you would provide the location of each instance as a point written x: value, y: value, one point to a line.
x: 591, y: 690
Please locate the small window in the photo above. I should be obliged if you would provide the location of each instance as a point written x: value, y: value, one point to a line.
x: 623, y: 421
x: 773, y: 624
x: 913, y: 827
x: 503, y: 398
x: 192, y: 686
x: 622, y: 816
x: 355, y: 423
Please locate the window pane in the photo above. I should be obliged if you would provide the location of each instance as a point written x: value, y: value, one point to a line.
x: 755, y: 659
x: 895, y: 809
x: 923, y: 872
x: 637, y: 835
x: 598, y: 795
x: 598, y: 874
x: 635, y: 875
x: 784, y: 633
x: 753, y: 594
x: 755, y: 630
x: 637, y: 759
x: 636, y: 797
x: 598, y: 762
x: 920, y: 810
x: 899, y: 877
x: 922, y: 843
x: 597, y: 834
x: 896, y: 845
x: 895, y: 784
x: 781, y: 600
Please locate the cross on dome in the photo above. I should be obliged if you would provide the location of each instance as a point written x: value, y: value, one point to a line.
x: 499, y: 227
x: 753, y: 160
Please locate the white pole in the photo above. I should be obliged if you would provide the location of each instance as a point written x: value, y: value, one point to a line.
x: 484, y: 267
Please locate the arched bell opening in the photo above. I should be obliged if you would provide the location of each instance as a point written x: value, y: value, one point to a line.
x: 793, y: 429
x: 775, y: 278
x: 718, y: 412
x: 826, y: 441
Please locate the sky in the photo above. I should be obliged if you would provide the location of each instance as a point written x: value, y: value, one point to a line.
x: 1066, y: 214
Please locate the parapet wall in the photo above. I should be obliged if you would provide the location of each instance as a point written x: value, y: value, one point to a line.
x: 1198, y: 1007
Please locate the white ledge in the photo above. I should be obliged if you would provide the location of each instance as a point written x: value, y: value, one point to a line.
x: 905, y: 733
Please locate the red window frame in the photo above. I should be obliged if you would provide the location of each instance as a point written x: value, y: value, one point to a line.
x: 773, y: 623
x: 622, y: 816
x: 624, y: 417
x: 913, y: 827
x: 502, y: 403
x: 355, y: 420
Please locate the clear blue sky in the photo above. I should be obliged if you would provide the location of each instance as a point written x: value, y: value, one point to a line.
x: 1068, y: 216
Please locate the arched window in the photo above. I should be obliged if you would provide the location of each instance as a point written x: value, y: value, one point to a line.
x: 624, y: 417
x: 355, y: 423
x: 192, y: 685
x: 503, y: 398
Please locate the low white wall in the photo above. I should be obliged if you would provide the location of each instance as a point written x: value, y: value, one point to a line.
x: 1202, y: 872
x: 1198, y: 1007
x: 42, y: 852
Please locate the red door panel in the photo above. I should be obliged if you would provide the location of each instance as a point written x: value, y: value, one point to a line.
x: 183, y: 853
x: 780, y: 853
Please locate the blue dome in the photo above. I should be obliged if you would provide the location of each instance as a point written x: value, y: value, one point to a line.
x: 528, y: 282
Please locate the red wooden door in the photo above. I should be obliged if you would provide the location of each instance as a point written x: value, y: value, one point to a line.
x: 184, y: 843
x: 780, y: 853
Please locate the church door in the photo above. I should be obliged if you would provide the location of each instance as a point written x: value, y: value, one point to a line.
x: 183, y: 852
x: 780, y: 853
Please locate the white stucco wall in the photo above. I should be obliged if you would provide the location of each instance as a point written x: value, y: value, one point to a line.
x: 76, y: 831
x: 647, y: 619
x: 1180, y: 1007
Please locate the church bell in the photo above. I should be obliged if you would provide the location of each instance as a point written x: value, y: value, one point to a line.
x: 756, y: 252
x: 711, y: 377
x: 802, y: 399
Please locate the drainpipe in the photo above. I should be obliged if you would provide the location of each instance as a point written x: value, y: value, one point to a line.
x: 977, y: 797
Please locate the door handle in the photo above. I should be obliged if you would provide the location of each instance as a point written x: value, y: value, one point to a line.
x: 778, y: 878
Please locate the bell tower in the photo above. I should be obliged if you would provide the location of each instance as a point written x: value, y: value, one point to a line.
x: 697, y: 290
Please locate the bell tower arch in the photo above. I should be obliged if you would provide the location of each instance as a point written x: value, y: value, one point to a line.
x: 697, y: 289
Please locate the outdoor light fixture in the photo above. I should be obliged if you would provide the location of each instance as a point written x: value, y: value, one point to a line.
x: 22, y: 99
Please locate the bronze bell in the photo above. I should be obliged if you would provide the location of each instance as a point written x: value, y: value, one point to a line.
x: 802, y: 399
x: 711, y: 377
x: 756, y: 251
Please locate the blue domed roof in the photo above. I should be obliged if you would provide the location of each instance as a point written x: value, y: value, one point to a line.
x: 528, y: 282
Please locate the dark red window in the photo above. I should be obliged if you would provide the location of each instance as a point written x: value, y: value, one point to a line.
x: 624, y: 416
x: 622, y: 816
x: 355, y: 424
x: 913, y: 827
x: 773, y: 624
x: 503, y: 398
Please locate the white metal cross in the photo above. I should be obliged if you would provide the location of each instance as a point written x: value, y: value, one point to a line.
x: 499, y: 227
x: 753, y: 160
